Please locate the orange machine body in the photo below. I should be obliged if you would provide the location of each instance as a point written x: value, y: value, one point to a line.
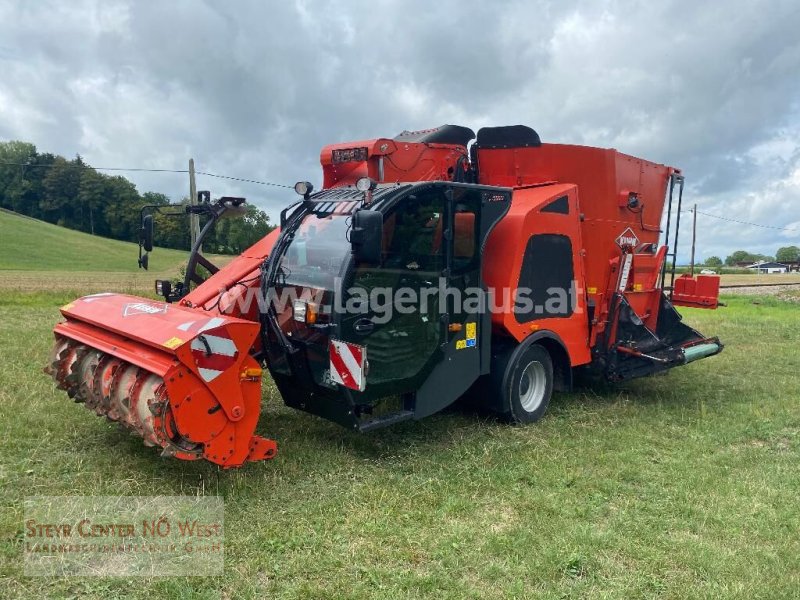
x: 186, y: 376
x: 610, y: 209
x: 503, y: 264
x: 410, y: 156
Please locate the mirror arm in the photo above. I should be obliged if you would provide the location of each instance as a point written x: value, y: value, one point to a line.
x: 214, y: 212
x: 196, y: 258
x: 290, y: 211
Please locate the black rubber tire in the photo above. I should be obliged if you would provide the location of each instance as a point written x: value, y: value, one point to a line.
x: 527, y: 370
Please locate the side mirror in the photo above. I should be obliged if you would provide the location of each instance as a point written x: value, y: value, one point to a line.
x: 146, y: 233
x: 366, y: 236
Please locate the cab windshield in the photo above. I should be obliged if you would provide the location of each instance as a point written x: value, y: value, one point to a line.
x: 315, y: 256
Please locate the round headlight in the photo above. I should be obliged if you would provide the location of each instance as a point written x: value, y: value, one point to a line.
x: 303, y: 188
x: 365, y: 184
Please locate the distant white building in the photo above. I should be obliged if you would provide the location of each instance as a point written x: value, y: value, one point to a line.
x: 769, y: 267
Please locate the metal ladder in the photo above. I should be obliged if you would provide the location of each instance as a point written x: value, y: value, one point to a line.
x: 675, y: 181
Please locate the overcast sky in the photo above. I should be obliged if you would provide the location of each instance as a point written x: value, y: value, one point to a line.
x: 254, y: 89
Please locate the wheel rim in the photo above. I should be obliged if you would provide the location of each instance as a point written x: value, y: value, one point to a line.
x: 532, y: 386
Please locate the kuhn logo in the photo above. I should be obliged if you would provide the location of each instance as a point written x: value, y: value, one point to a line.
x: 627, y: 239
x: 489, y: 197
x: 143, y: 308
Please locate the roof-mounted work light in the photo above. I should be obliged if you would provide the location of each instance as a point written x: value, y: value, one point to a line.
x: 303, y: 188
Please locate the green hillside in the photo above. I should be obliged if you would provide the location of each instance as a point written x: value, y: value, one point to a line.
x: 27, y: 244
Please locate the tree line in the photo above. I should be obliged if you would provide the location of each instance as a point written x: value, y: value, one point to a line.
x: 72, y: 194
x: 785, y: 254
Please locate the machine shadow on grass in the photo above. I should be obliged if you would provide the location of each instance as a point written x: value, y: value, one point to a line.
x: 302, y: 434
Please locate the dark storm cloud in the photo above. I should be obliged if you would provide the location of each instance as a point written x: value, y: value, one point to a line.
x: 254, y: 89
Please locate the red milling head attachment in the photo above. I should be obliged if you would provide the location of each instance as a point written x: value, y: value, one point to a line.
x: 181, y: 378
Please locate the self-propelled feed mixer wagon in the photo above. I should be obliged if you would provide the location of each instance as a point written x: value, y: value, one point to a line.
x: 433, y: 265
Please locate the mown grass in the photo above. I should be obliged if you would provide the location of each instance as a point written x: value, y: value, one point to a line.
x: 30, y: 245
x: 759, y: 278
x: 40, y: 257
x: 678, y: 486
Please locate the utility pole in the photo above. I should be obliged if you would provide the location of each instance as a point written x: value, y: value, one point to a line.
x: 694, y: 234
x: 194, y: 220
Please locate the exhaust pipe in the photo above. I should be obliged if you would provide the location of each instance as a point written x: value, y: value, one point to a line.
x: 698, y: 351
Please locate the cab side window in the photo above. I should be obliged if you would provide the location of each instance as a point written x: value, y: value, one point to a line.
x: 413, y: 233
x: 466, y: 211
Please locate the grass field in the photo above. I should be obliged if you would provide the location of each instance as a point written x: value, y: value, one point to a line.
x: 30, y: 245
x: 758, y: 279
x: 40, y: 256
x: 678, y: 486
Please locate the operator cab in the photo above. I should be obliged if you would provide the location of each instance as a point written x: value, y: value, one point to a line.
x: 388, y: 328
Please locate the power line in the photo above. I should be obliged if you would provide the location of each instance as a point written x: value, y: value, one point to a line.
x: 53, y: 165
x: 135, y: 169
x: 742, y: 222
x: 124, y: 169
x: 280, y: 185
x: 289, y: 187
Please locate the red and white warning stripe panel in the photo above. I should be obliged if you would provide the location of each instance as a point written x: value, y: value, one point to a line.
x: 209, y: 324
x: 625, y: 272
x: 348, y: 363
x: 213, y: 352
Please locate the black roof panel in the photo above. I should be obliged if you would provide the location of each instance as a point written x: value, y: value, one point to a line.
x: 510, y: 136
x: 445, y: 134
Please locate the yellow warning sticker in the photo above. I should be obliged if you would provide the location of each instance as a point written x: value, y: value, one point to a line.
x: 472, y: 331
x: 592, y: 290
x: 637, y: 287
x: 471, y: 335
x: 173, y: 342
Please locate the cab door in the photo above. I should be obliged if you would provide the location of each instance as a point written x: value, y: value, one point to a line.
x: 384, y: 311
x: 472, y: 212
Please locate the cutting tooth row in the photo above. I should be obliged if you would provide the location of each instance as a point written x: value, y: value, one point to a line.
x: 62, y: 363
x: 119, y: 391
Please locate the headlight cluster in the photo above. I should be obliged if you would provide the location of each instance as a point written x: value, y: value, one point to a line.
x: 305, y: 312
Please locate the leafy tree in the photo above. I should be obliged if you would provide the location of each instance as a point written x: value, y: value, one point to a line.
x: 171, y: 231
x: 739, y: 256
x: 713, y: 261
x: 236, y: 233
x: 21, y: 183
x: 743, y: 256
x: 156, y: 198
x: 72, y: 194
x: 122, y: 213
x: 32, y: 188
x: 788, y: 254
x: 92, y: 200
x: 61, y: 185
x: 14, y: 156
